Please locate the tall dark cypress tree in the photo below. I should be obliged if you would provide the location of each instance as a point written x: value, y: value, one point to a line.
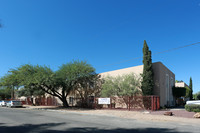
x: 191, y: 90
x: 147, y: 82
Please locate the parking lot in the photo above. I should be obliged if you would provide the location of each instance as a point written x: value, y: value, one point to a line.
x: 11, y: 103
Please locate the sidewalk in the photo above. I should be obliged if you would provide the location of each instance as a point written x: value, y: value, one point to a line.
x: 40, y: 107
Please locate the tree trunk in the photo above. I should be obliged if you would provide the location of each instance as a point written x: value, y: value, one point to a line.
x: 32, y: 101
x: 65, y: 103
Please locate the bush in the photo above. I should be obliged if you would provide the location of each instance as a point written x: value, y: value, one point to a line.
x: 179, y: 91
x: 196, y: 96
x: 192, y: 108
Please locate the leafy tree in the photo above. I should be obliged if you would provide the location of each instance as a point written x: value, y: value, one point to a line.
x: 36, y: 78
x: 178, y: 91
x: 191, y: 90
x: 11, y: 80
x: 79, y: 77
x: 147, y: 76
x: 5, y: 93
x: 30, y: 92
x: 88, y: 87
x: 197, y: 96
x: 28, y: 77
x: 121, y: 86
x: 71, y: 76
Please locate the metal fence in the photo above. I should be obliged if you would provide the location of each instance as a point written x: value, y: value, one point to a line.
x: 131, y: 103
x: 81, y: 102
x: 52, y: 101
x: 41, y: 101
x: 123, y: 103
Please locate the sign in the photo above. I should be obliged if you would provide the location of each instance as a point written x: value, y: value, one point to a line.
x: 103, y: 100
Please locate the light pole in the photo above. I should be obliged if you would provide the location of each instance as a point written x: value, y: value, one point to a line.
x: 13, y: 93
x: 13, y: 89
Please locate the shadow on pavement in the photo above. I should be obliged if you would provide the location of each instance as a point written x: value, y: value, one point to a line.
x: 45, y: 128
x: 59, y: 108
x: 26, y: 128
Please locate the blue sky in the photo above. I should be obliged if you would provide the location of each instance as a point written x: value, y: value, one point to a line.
x: 102, y: 32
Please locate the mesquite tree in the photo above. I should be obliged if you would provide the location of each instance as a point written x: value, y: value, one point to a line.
x: 67, y: 78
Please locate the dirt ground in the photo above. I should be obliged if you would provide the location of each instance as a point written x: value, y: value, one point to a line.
x: 179, y: 115
x: 145, y: 115
x: 176, y: 113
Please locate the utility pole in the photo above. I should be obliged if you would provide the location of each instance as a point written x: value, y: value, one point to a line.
x: 13, y: 89
x: 13, y: 93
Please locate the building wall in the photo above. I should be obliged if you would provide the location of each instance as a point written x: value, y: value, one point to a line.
x: 136, y: 70
x: 164, y: 80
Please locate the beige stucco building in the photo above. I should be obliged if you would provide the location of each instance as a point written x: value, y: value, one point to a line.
x: 181, y: 84
x: 164, y: 80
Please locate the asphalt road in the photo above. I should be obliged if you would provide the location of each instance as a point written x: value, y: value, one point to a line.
x: 21, y: 120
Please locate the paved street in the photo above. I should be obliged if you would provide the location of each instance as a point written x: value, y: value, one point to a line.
x: 21, y: 120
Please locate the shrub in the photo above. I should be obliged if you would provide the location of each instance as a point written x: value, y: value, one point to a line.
x: 197, y: 96
x: 192, y: 108
x: 179, y: 91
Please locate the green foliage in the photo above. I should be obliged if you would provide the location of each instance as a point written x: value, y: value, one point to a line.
x: 192, y: 108
x: 126, y: 85
x: 191, y: 89
x: 37, y: 80
x: 75, y: 72
x: 197, y: 96
x: 30, y: 92
x: 79, y: 77
x: 11, y: 79
x: 5, y: 93
x: 121, y: 86
x: 178, y: 91
x: 34, y: 79
x: 188, y: 92
x: 147, y: 76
